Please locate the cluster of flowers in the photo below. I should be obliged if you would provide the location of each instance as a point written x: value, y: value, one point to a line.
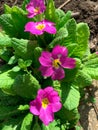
x: 52, y: 63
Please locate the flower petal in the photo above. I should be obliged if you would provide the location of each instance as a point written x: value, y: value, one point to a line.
x: 35, y: 106
x: 69, y: 63
x: 55, y: 98
x: 46, y: 115
x: 46, y: 71
x: 58, y: 74
x: 31, y: 27
x: 56, y: 106
x: 59, y: 51
x: 50, y: 29
x: 45, y: 59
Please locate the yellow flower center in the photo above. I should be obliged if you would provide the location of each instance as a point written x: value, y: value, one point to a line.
x: 40, y: 26
x: 56, y: 63
x: 45, y: 102
x: 36, y: 10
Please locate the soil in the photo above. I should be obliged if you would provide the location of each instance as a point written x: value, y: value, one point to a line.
x: 83, y: 11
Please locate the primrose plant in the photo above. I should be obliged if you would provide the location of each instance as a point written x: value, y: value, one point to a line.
x: 46, y: 63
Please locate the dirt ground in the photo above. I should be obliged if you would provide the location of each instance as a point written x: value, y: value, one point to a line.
x: 82, y: 11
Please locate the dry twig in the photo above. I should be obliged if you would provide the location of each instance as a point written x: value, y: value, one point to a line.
x: 66, y: 2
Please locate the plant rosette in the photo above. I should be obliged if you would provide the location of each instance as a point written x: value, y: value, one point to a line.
x: 47, y: 64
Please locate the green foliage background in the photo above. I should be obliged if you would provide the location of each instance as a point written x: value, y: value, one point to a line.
x: 20, y: 78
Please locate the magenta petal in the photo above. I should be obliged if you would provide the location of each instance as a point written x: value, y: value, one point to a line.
x: 58, y: 74
x: 35, y: 106
x: 56, y: 106
x: 50, y: 29
x: 46, y: 71
x: 59, y: 51
x: 46, y: 115
x: 31, y: 15
x: 55, y: 97
x: 69, y: 63
x: 45, y: 59
x: 31, y: 27
x: 41, y: 93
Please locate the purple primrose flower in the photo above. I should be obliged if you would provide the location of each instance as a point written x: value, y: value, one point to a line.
x: 35, y: 7
x: 38, y: 28
x: 52, y: 64
x: 46, y: 103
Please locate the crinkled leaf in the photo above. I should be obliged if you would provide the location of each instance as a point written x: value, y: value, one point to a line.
x: 5, y: 40
x: 27, y: 122
x: 7, y: 24
x: 70, y: 95
x: 26, y: 86
x: 7, y: 79
x: 59, y: 38
x: 50, y: 11
x: 69, y: 116
x: 6, y: 111
x: 23, y: 48
x: 83, y: 79
x: 91, y: 68
x: 13, y: 22
x: 63, y: 20
x: 82, y: 33
x: 37, y: 54
x: 5, y: 54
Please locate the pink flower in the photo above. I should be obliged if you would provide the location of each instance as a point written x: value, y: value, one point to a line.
x: 46, y: 103
x: 97, y: 52
x: 52, y: 64
x: 38, y: 28
x: 35, y: 7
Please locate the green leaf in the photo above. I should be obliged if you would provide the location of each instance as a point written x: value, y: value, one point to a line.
x: 82, y: 33
x: 70, y: 95
x: 24, y: 64
x: 59, y: 38
x: 23, y: 107
x: 7, y: 9
x: 5, y: 40
x: 23, y: 48
x: 7, y: 111
x: 7, y: 24
x: 5, y: 54
x: 16, y: 69
x: 50, y: 11
x: 7, y: 79
x: 91, y: 67
x: 26, y: 124
x: 52, y: 126
x: 63, y: 20
x: 60, y: 13
x: 25, y: 2
x: 13, y: 22
x: 71, y: 28
x: 36, y: 126
x: 83, y: 79
x: 12, y: 60
x: 26, y: 86
x: 12, y: 124
x: 19, y: 19
x: 37, y: 54
x: 68, y: 116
